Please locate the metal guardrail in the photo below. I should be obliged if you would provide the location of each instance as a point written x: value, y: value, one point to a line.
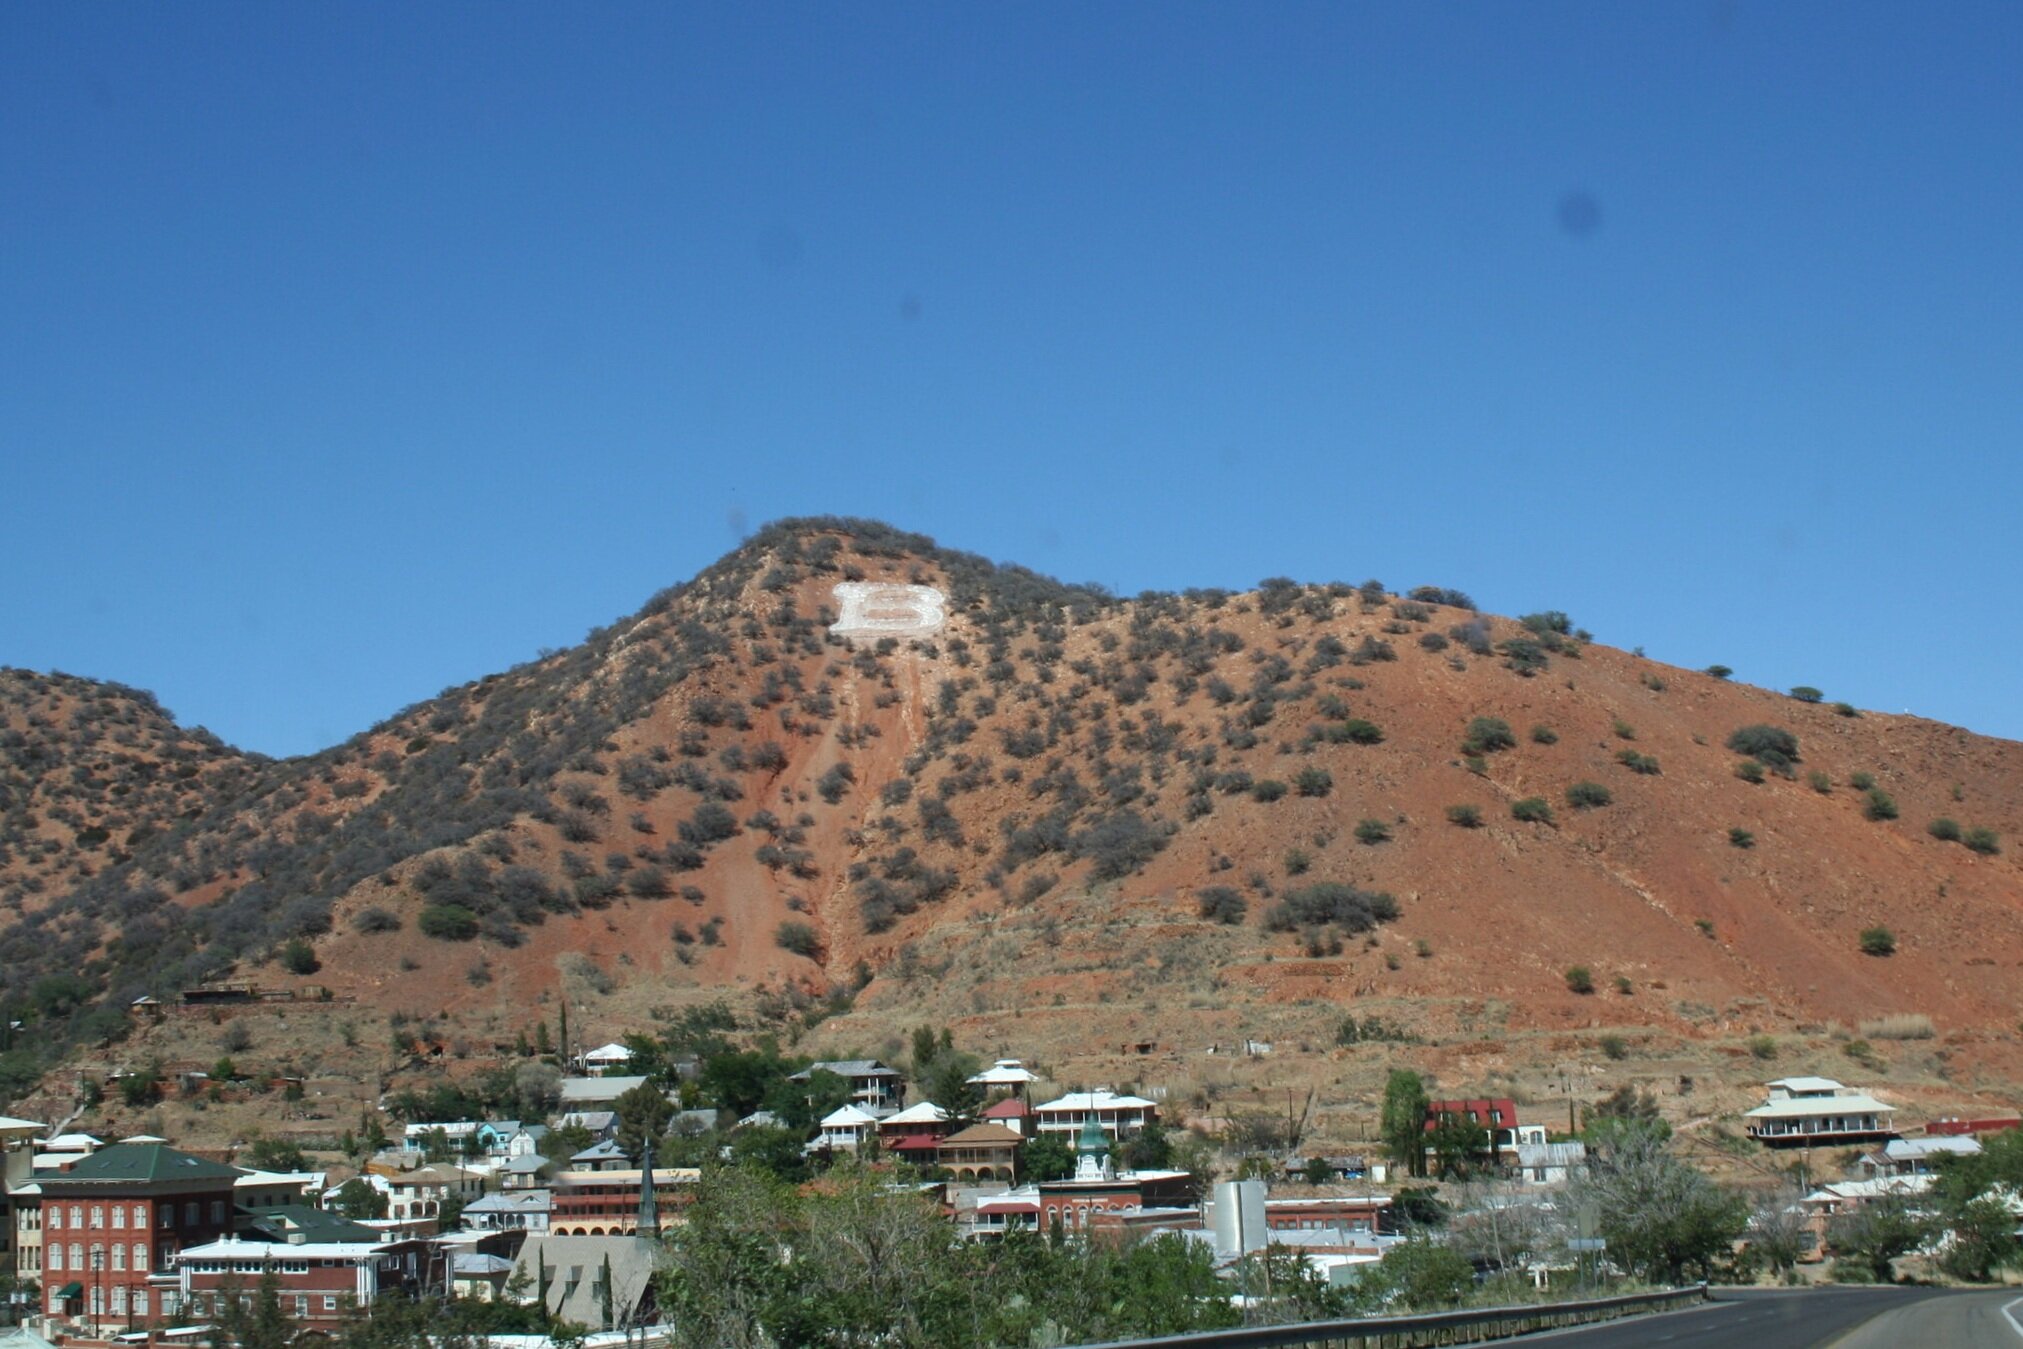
x: 1431, y: 1328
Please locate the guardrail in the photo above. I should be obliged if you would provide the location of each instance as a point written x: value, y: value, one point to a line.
x: 1431, y: 1328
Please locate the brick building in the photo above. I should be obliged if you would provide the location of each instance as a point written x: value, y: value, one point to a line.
x: 319, y: 1281
x: 114, y: 1224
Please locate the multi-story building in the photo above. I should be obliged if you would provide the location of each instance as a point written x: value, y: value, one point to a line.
x: 606, y: 1203
x: 319, y: 1281
x: 1117, y: 1116
x: 1807, y: 1111
x: 115, y: 1223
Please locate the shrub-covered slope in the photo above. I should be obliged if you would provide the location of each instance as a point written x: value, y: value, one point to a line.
x: 1302, y: 795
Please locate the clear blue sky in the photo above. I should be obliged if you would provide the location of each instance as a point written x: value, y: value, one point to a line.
x: 352, y: 351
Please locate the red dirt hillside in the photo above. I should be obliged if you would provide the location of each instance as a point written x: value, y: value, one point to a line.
x: 1066, y: 821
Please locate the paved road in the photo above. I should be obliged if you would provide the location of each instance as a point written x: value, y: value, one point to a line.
x: 1845, y: 1318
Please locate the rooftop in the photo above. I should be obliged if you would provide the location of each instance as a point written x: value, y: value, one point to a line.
x: 141, y: 1164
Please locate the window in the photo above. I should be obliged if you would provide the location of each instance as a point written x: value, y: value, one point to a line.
x: 140, y: 1215
x: 76, y: 1255
x: 191, y: 1214
x: 98, y: 1215
x: 301, y: 1304
x: 119, y: 1215
x: 77, y: 1215
x: 168, y: 1215
x: 217, y: 1211
x: 119, y: 1299
x: 55, y: 1257
x: 55, y: 1217
x: 140, y: 1296
x: 140, y: 1255
x: 330, y: 1302
x: 119, y: 1257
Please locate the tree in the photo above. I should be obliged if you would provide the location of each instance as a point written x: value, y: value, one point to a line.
x: 357, y: 1199
x: 1659, y: 1215
x: 256, y: 1322
x: 276, y: 1154
x: 1403, y: 1122
x: 1873, y: 1235
x: 1421, y: 1274
x: 947, y: 1084
x: 1983, y: 1240
x: 643, y: 1112
x: 1047, y: 1157
x: 1778, y: 1228
x: 1459, y: 1147
x: 1150, y: 1149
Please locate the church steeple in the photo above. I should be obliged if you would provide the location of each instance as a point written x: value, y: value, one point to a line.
x: 649, y: 1212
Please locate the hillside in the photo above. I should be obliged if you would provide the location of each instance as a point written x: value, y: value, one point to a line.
x: 1065, y: 822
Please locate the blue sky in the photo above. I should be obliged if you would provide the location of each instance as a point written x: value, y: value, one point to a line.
x: 350, y: 352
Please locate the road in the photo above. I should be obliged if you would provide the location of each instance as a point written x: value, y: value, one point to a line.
x: 1844, y: 1318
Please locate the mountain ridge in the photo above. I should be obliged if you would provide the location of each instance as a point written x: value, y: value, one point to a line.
x: 718, y: 765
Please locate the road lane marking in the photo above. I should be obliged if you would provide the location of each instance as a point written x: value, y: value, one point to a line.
x: 2010, y: 1316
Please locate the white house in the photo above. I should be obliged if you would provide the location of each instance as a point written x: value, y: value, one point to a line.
x: 1917, y: 1156
x: 1119, y: 1116
x: 873, y: 1086
x: 1006, y: 1075
x: 847, y: 1126
x: 1547, y: 1164
x: 607, y: 1059
x: 1818, y: 1110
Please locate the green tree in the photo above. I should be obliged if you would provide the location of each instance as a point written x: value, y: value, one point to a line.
x: 357, y: 1199
x: 1660, y: 1216
x: 643, y: 1112
x: 1403, y: 1121
x: 1869, y: 1238
x: 1421, y: 1274
x: 1460, y: 1147
x: 255, y: 1322
x: 1047, y: 1157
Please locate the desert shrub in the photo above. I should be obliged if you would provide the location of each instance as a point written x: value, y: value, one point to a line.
x: 1750, y: 771
x: 1805, y: 693
x: 1741, y: 838
x: 1899, y: 1026
x: 1861, y: 782
x: 1981, y: 840
x: 711, y: 822
x: 376, y: 919
x: 1613, y: 1047
x: 1944, y: 829
x: 1525, y: 655
x: 1361, y: 732
x: 447, y: 922
x: 1369, y: 832
x: 1880, y: 805
x: 1268, y: 789
x: 1623, y: 730
x: 1542, y: 734
x: 1588, y: 795
x: 1531, y: 810
x: 299, y: 957
x: 1453, y: 599
x: 1579, y: 979
x: 1549, y: 621
x: 1819, y: 781
x: 1468, y: 817
x: 1846, y: 710
x: 832, y: 784
x: 1432, y: 641
x: 1772, y: 746
x: 1314, y: 781
x: 797, y: 937
x: 1331, y: 903
x: 1638, y: 763
x: 1878, y: 941
x: 1222, y: 904
x: 1720, y: 671
x: 1486, y: 735
x: 1371, y: 649
x: 1297, y: 861
x: 1119, y: 843
x: 1762, y: 1047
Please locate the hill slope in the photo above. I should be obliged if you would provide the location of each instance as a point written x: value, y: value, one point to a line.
x: 1023, y: 818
